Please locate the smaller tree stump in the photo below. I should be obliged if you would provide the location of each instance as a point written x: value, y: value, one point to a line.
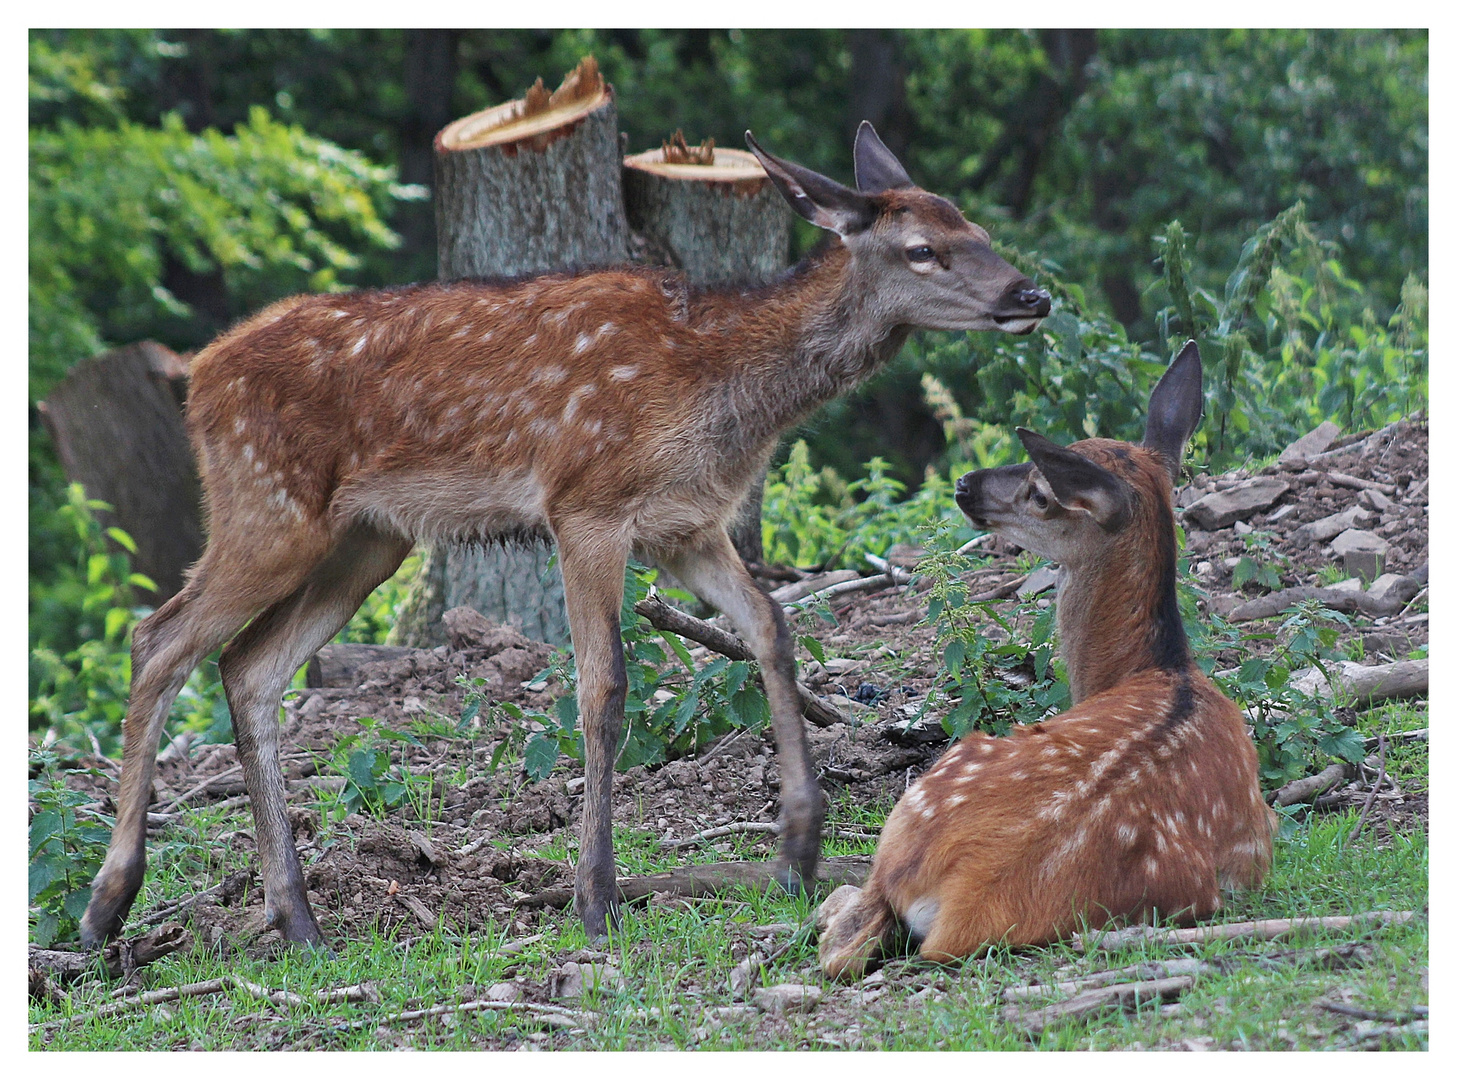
x: 117, y: 427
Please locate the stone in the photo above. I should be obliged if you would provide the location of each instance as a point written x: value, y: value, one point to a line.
x: 503, y: 991
x: 1393, y: 589
x: 1312, y: 443
x: 1039, y: 581
x: 1322, y: 529
x: 1350, y: 584
x: 1362, y: 553
x: 1222, y: 508
x: 572, y: 980
x: 1372, y: 499
x: 787, y: 997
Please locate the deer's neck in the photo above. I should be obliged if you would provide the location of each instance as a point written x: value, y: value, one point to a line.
x: 1118, y: 614
x: 800, y: 342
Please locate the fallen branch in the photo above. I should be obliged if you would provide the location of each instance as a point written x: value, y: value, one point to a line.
x: 1260, y: 929
x: 552, y: 1015
x: 1001, y: 592
x: 733, y: 829
x: 1330, y: 958
x: 1414, y: 735
x: 119, y: 958
x: 358, y: 992
x: 1308, y: 787
x: 1366, y: 684
x: 1122, y: 995
x: 895, y: 576
x: 787, y: 594
x: 816, y: 710
x: 710, y: 879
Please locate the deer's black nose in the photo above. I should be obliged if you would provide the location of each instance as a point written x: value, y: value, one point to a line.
x: 1039, y: 300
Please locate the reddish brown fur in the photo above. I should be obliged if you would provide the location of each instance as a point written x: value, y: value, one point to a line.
x: 1142, y: 798
x: 614, y: 411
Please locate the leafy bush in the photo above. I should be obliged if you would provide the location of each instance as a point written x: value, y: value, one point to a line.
x: 995, y: 679
x: 1292, y: 730
x: 82, y: 693
x: 65, y: 852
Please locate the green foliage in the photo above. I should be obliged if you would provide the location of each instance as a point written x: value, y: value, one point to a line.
x: 269, y: 208
x: 996, y: 679
x: 83, y: 691
x: 372, y: 782
x: 65, y: 852
x: 672, y: 705
x: 1262, y: 565
x: 1292, y: 730
x: 812, y: 517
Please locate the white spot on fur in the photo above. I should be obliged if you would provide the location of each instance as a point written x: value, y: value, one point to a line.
x: 953, y: 801
x: 1151, y: 865
x: 247, y: 451
x: 920, y: 917
x: 623, y: 373
x: 1127, y: 833
x: 584, y: 342
x: 551, y: 374
x: 238, y: 426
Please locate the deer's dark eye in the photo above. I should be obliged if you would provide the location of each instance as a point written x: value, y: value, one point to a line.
x: 921, y: 253
x: 1039, y: 500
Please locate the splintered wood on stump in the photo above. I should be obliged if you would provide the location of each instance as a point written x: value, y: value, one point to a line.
x: 523, y: 188
x: 116, y: 423
x: 713, y: 213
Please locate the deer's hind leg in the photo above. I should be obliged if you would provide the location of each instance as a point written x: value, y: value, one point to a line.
x: 227, y: 588
x: 256, y: 668
x: 593, y: 562
x: 713, y: 570
x: 856, y: 928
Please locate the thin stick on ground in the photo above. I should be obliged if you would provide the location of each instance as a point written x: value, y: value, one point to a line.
x: 1371, y: 798
x: 1259, y: 929
x: 734, y: 829
x: 359, y: 992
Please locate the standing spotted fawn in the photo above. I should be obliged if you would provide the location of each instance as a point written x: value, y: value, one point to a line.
x: 1142, y: 798
x: 615, y: 411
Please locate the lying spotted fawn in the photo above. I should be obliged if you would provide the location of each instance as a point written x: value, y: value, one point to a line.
x: 615, y: 411
x: 1142, y: 798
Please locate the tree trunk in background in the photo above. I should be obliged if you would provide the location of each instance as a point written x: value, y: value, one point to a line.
x: 714, y: 214
x: 522, y: 188
x: 429, y: 77
x: 877, y: 90
x: 116, y: 423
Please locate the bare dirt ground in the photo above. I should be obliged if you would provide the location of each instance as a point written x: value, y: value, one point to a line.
x: 482, y: 851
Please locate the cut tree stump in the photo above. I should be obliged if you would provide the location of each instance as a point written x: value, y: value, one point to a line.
x: 714, y: 214
x: 116, y: 423
x: 523, y: 188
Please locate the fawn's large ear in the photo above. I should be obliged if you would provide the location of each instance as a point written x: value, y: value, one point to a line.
x: 1174, y: 408
x: 1080, y: 484
x: 876, y: 168
x: 818, y: 199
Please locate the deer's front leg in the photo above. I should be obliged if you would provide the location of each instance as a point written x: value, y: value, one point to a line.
x: 713, y: 570
x: 592, y: 568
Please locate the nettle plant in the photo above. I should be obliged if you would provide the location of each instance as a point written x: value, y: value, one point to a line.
x: 66, y: 849
x: 672, y: 705
x: 1291, y: 729
x: 994, y: 679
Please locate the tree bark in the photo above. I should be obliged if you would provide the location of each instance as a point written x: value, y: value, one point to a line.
x: 117, y: 426
x: 523, y: 188
x: 714, y: 214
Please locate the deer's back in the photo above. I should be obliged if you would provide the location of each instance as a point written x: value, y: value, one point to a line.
x: 460, y: 409
x: 1143, y: 797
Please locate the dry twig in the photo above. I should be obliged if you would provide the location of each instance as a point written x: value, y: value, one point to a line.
x: 1260, y: 929
x: 1366, y: 807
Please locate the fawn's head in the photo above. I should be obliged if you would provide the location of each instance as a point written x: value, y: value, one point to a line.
x: 1070, y: 504
x: 932, y: 268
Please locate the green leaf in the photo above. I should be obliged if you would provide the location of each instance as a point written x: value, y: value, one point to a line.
x: 42, y: 873
x: 540, y: 757
x: 1345, y: 743
x: 813, y: 647
x: 679, y: 649
x: 42, y: 827
x: 46, y: 927
x: 120, y: 536
x: 362, y: 769
x: 75, y: 903
x: 687, y: 707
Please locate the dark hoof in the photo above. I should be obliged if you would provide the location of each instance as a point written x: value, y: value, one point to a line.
x: 790, y: 879
x: 103, y: 919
